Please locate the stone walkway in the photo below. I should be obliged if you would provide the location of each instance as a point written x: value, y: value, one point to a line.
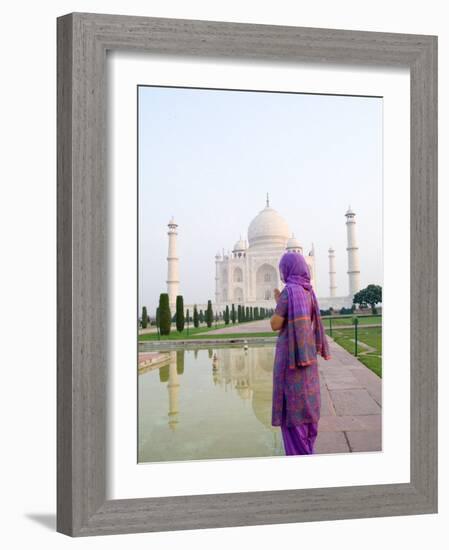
x: 251, y: 326
x: 351, y: 405
x: 264, y: 326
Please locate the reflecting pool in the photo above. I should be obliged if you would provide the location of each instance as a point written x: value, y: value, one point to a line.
x: 208, y: 403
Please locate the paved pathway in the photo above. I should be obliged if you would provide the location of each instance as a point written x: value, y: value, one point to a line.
x: 148, y: 330
x: 351, y: 405
x: 251, y: 326
x: 264, y: 326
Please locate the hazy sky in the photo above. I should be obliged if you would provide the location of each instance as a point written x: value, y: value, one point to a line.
x: 208, y: 158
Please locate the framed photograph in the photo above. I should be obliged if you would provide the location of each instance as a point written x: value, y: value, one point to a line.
x: 247, y: 274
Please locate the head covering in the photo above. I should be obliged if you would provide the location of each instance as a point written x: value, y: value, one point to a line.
x: 305, y: 331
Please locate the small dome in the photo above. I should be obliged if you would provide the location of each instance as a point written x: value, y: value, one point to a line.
x: 239, y: 246
x: 293, y: 243
x: 268, y: 227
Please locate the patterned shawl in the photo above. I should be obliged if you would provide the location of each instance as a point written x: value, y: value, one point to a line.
x: 306, y: 335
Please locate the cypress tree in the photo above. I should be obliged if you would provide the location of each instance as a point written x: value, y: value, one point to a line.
x: 164, y: 314
x: 226, y: 316
x: 233, y: 314
x: 209, y: 314
x: 164, y: 373
x: 239, y: 313
x: 144, y: 317
x: 196, y: 319
x: 201, y: 316
x: 180, y: 361
x: 188, y: 316
x: 256, y: 313
x: 247, y: 314
x: 180, y: 313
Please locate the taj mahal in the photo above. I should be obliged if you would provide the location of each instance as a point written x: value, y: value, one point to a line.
x: 249, y: 273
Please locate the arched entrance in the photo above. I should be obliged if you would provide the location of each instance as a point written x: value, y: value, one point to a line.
x: 238, y: 295
x: 266, y: 282
x: 238, y: 275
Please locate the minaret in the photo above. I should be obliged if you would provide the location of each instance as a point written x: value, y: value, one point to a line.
x: 312, y: 266
x: 173, y: 391
x: 172, y: 265
x: 353, y: 254
x: 332, y: 274
x: 217, y: 277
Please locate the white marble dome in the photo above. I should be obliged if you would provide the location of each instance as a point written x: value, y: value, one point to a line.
x: 239, y: 246
x: 268, y: 227
x: 293, y: 243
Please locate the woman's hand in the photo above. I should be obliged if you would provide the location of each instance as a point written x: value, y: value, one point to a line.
x: 277, y: 322
x: 276, y: 293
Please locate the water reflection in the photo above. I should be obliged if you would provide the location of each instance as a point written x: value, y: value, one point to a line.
x: 208, y: 403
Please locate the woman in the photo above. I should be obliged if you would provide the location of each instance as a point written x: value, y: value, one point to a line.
x: 296, y: 382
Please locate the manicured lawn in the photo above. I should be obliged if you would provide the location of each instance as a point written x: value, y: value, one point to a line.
x: 175, y: 335
x: 344, y: 321
x: 370, y: 336
x: 373, y: 363
x: 198, y: 333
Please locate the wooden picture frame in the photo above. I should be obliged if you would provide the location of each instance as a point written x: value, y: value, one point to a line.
x: 83, y: 40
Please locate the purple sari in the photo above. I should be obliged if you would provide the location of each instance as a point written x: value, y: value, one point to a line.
x: 296, y: 383
x: 306, y: 335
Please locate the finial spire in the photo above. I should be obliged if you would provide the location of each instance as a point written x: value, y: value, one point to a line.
x: 268, y: 200
x: 350, y: 212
